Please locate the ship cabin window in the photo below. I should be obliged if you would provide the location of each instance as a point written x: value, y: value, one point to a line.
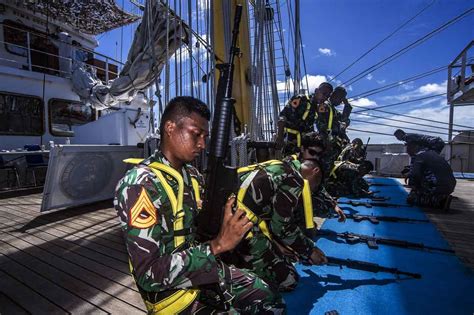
x: 21, y: 115
x: 64, y: 114
x: 44, y: 54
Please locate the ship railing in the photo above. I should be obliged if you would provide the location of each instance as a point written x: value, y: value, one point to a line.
x: 32, y: 59
x: 460, y: 78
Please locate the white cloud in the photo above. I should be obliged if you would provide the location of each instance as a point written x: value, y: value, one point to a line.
x: 369, y: 76
x: 363, y: 102
x: 433, y: 88
x: 326, y: 52
x: 422, y: 91
x: 381, y: 81
x: 313, y: 82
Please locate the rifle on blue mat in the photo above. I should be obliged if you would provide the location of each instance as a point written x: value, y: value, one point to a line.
x: 375, y: 219
x: 371, y: 204
x: 372, y: 241
x: 367, y: 266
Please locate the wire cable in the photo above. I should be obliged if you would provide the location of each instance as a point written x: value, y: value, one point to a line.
x: 383, y: 40
x: 402, y: 51
x: 396, y: 126
x: 400, y: 103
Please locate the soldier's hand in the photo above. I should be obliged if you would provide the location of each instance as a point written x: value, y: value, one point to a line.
x: 234, y: 226
x: 317, y: 257
x: 340, y: 213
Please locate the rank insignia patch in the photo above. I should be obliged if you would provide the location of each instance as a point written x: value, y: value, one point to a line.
x: 143, y: 213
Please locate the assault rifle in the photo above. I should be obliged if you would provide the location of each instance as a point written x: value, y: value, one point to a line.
x: 367, y: 266
x: 372, y: 241
x: 221, y: 180
x: 375, y: 219
x: 355, y: 203
x: 365, y: 149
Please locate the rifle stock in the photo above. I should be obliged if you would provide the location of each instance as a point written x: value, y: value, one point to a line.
x: 221, y: 180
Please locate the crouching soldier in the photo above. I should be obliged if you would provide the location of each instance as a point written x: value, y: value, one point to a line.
x: 157, y: 203
x: 346, y: 179
x: 270, y: 193
x: 430, y: 177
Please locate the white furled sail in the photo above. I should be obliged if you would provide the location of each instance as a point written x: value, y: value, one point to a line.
x: 158, y: 36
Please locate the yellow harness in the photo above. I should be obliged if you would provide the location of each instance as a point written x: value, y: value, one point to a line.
x: 296, y: 132
x: 337, y: 164
x: 306, y: 194
x: 182, y: 298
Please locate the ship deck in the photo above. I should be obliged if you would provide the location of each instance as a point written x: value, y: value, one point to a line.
x: 74, y: 261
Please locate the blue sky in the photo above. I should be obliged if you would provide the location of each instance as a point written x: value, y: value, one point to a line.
x: 336, y: 32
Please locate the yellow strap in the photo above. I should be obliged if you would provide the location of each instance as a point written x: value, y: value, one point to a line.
x: 308, y: 205
x: 306, y: 112
x: 334, y: 168
x: 249, y: 213
x: 331, y: 115
x: 176, y: 202
x: 297, y: 133
x: 173, y: 304
x: 197, y: 192
x: 258, y: 165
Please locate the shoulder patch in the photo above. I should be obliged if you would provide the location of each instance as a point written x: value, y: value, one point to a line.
x: 143, y: 212
x: 322, y: 108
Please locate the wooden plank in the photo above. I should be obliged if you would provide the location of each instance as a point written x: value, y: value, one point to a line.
x: 9, y: 306
x: 17, y: 291
x: 84, y: 239
x: 98, y: 257
x: 73, y: 279
x: 69, y: 254
x: 47, y: 289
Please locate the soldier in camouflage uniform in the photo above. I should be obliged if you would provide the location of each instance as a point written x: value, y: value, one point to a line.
x: 313, y: 147
x: 353, y: 152
x: 157, y: 203
x: 430, y: 177
x: 332, y: 124
x: 298, y: 117
x: 273, y: 191
x: 346, y: 179
x: 427, y: 142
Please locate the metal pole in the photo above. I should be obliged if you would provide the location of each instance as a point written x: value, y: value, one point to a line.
x: 29, y: 50
x: 297, y: 74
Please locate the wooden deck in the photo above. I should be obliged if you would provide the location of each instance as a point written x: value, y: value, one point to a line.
x: 74, y: 261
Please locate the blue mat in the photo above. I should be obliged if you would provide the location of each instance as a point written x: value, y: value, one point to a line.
x: 446, y: 286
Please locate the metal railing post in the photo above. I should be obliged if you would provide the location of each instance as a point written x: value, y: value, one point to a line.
x: 28, y: 50
x: 106, y: 70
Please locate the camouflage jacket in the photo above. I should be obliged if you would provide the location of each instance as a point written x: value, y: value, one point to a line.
x: 351, y: 154
x: 147, y: 221
x: 273, y: 195
x: 295, y: 116
x: 347, y: 181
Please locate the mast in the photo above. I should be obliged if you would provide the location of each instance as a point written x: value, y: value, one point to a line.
x: 297, y: 72
x: 223, y: 12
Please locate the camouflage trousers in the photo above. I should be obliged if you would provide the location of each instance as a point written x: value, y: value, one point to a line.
x: 249, y: 295
x: 264, y: 258
x: 428, y: 199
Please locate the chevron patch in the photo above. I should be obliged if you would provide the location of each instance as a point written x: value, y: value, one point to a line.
x: 143, y: 213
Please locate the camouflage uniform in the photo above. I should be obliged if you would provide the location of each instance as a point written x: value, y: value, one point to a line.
x: 345, y: 180
x: 160, y: 268
x: 300, y: 119
x: 351, y: 154
x: 432, y: 180
x: 273, y: 194
x: 337, y: 137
